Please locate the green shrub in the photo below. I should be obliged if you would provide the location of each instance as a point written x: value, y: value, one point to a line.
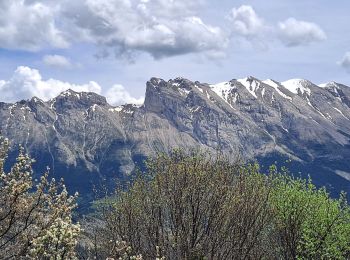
x: 309, y: 224
x: 198, y: 206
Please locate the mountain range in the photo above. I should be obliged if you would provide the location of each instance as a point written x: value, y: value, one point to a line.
x: 87, y: 141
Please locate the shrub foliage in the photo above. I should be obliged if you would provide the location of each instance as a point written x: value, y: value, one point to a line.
x: 184, y: 206
x: 193, y: 206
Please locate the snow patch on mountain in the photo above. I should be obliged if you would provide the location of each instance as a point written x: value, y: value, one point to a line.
x: 297, y: 86
x: 222, y: 89
x: 184, y: 92
x: 276, y: 86
x: 116, y: 109
x: 328, y: 85
x: 199, y: 88
x: 250, y: 84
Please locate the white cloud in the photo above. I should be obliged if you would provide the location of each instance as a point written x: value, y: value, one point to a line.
x: 161, y: 28
x: 345, y: 62
x: 293, y: 32
x: 246, y: 22
x: 29, y: 25
x: 117, y: 95
x: 26, y: 83
x: 57, y: 61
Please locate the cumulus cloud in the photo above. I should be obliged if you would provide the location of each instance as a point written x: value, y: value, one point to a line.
x: 161, y: 28
x: 345, y: 62
x: 118, y: 95
x: 246, y: 22
x: 293, y: 32
x: 29, y: 25
x: 124, y: 28
x: 26, y: 83
x: 57, y: 61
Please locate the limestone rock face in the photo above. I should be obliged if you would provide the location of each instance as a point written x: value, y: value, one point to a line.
x: 87, y: 141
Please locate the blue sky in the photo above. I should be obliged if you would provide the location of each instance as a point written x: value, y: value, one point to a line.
x: 114, y: 46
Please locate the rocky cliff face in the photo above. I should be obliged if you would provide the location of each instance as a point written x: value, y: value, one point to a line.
x: 85, y: 140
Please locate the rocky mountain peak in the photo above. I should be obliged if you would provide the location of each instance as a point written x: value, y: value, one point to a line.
x: 329, y: 84
x: 160, y: 94
x: 82, y: 97
x: 80, y: 100
x: 155, y: 83
x: 35, y: 100
x: 298, y: 86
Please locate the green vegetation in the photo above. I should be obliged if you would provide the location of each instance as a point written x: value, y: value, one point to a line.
x: 191, y: 206
x: 309, y: 224
x: 185, y: 206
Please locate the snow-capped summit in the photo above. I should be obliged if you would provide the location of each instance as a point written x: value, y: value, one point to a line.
x: 251, y: 84
x: 222, y: 89
x: 297, y: 86
x: 329, y: 84
x: 277, y: 86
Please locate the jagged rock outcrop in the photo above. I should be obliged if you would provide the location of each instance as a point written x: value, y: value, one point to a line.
x: 85, y: 140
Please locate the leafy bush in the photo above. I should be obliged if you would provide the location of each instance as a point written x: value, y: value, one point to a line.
x: 194, y: 206
x: 309, y: 224
x: 185, y: 206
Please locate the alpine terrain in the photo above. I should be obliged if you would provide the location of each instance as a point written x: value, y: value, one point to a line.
x: 89, y: 142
